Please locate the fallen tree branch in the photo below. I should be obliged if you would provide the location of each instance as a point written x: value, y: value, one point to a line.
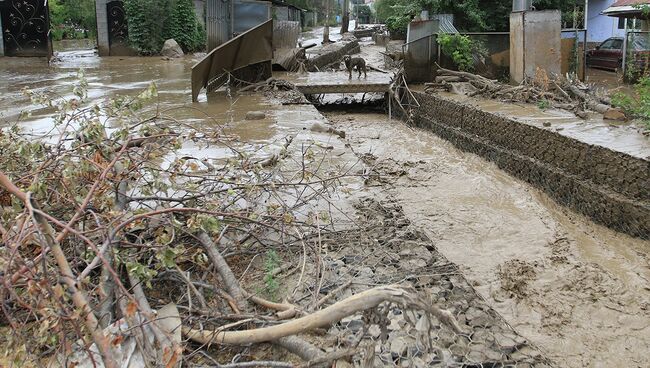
x: 357, y: 303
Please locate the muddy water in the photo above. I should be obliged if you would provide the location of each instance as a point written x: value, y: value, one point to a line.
x: 577, y: 290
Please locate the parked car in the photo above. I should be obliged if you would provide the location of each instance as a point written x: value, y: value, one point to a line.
x: 609, y: 54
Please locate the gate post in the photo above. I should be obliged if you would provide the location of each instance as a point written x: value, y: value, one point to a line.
x: 2, y: 40
x: 102, y: 28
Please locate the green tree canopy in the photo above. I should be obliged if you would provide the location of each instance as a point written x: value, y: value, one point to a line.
x: 469, y: 15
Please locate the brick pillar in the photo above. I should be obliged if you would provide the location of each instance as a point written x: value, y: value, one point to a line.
x: 102, y: 28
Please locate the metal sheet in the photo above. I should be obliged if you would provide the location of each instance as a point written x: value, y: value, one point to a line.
x: 285, y: 34
x: 248, y: 14
x: 218, y: 22
x: 252, y: 47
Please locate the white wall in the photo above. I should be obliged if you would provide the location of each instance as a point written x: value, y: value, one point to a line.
x: 601, y: 27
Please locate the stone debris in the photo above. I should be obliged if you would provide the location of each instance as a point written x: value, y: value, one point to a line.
x: 171, y: 49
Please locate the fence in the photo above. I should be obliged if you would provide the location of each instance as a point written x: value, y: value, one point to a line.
x: 573, y: 52
x: 285, y: 34
x: 636, y: 54
x: 420, y: 57
x: 492, y: 56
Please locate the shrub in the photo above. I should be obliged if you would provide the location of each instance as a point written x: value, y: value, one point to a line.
x: 146, y: 21
x: 460, y: 49
x: 637, y: 106
x: 185, y: 28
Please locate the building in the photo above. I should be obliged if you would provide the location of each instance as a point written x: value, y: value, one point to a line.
x: 601, y: 27
x: 627, y: 9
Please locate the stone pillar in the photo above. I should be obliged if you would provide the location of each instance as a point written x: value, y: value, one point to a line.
x: 2, y: 41
x: 535, y: 42
x: 102, y: 28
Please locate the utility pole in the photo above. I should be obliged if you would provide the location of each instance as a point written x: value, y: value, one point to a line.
x: 326, y: 31
x: 345, y: 24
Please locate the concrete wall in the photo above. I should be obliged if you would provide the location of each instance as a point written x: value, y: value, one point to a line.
x: 607, y: 186
x: 517, y: 47
x: 541, y: 47
x: 103, y: 44
x: 601, y: 27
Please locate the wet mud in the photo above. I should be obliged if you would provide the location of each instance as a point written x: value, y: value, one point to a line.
x: 577, y: 290
x: 526, y: 278
x: 609, y: 186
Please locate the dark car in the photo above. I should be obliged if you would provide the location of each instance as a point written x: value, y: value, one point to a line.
x: 609, y: 54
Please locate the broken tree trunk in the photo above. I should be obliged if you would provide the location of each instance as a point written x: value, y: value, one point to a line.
x: 357, y: 303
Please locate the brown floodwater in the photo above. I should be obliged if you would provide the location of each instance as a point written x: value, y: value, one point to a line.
x: 586, y: 301
x: 579, y: 291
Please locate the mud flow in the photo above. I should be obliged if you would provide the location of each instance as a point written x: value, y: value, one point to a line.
x: 515, y: 279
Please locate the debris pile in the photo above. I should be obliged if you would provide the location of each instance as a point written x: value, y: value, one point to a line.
x: 566, y: 94
x: 124, y: 233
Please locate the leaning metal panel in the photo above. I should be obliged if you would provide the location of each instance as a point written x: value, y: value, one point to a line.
x: 25, y: 27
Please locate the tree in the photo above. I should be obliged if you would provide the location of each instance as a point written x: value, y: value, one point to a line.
x: 469, y: 15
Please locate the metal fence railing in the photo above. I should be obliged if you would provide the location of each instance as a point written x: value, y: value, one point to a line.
x: 420, y: 58
x: 636, y: 54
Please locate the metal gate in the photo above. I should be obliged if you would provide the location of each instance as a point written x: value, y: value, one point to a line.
x: 118, y: 32
x: 25, y: 28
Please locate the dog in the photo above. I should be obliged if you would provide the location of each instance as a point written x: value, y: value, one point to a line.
x: 359, y: 63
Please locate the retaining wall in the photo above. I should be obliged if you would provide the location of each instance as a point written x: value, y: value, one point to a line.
x: 610, y: 187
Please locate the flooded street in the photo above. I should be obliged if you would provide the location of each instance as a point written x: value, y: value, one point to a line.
x: 577, y: 290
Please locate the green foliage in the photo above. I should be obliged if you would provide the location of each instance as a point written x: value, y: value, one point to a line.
x: 185, y: 28
x: 271, y: 284
x: 146, y: 20
x: 72, y: 19
x: 543, y: 104
x: 459, y: 48
x: 397, y: 25
x: 151, y: 22
x: 469, y: 15
x: 638, y: 105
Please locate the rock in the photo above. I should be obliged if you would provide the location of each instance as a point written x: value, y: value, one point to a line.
x: 614, y: 114
x: 255, y: 115
x: 352, y: 323
x: 172, y: 49
x: 398, y: 347
x: 546, y: 124
x: 322, y: 128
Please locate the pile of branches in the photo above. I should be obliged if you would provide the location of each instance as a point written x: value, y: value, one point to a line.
x: 566, y: 94
x: 117, y: 241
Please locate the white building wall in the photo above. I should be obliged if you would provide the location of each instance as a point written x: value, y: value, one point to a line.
x: 601, y: 27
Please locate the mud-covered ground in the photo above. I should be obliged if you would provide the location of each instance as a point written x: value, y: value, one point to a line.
x: 577, y: 290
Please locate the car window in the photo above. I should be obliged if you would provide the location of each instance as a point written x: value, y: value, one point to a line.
x: 617, y: 45
x: 607, y: 44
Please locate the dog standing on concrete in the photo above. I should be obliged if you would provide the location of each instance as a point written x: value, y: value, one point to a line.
x: 359, y: 63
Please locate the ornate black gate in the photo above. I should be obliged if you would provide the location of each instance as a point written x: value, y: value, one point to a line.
x: 118, y: 32
x: 25, y: 27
